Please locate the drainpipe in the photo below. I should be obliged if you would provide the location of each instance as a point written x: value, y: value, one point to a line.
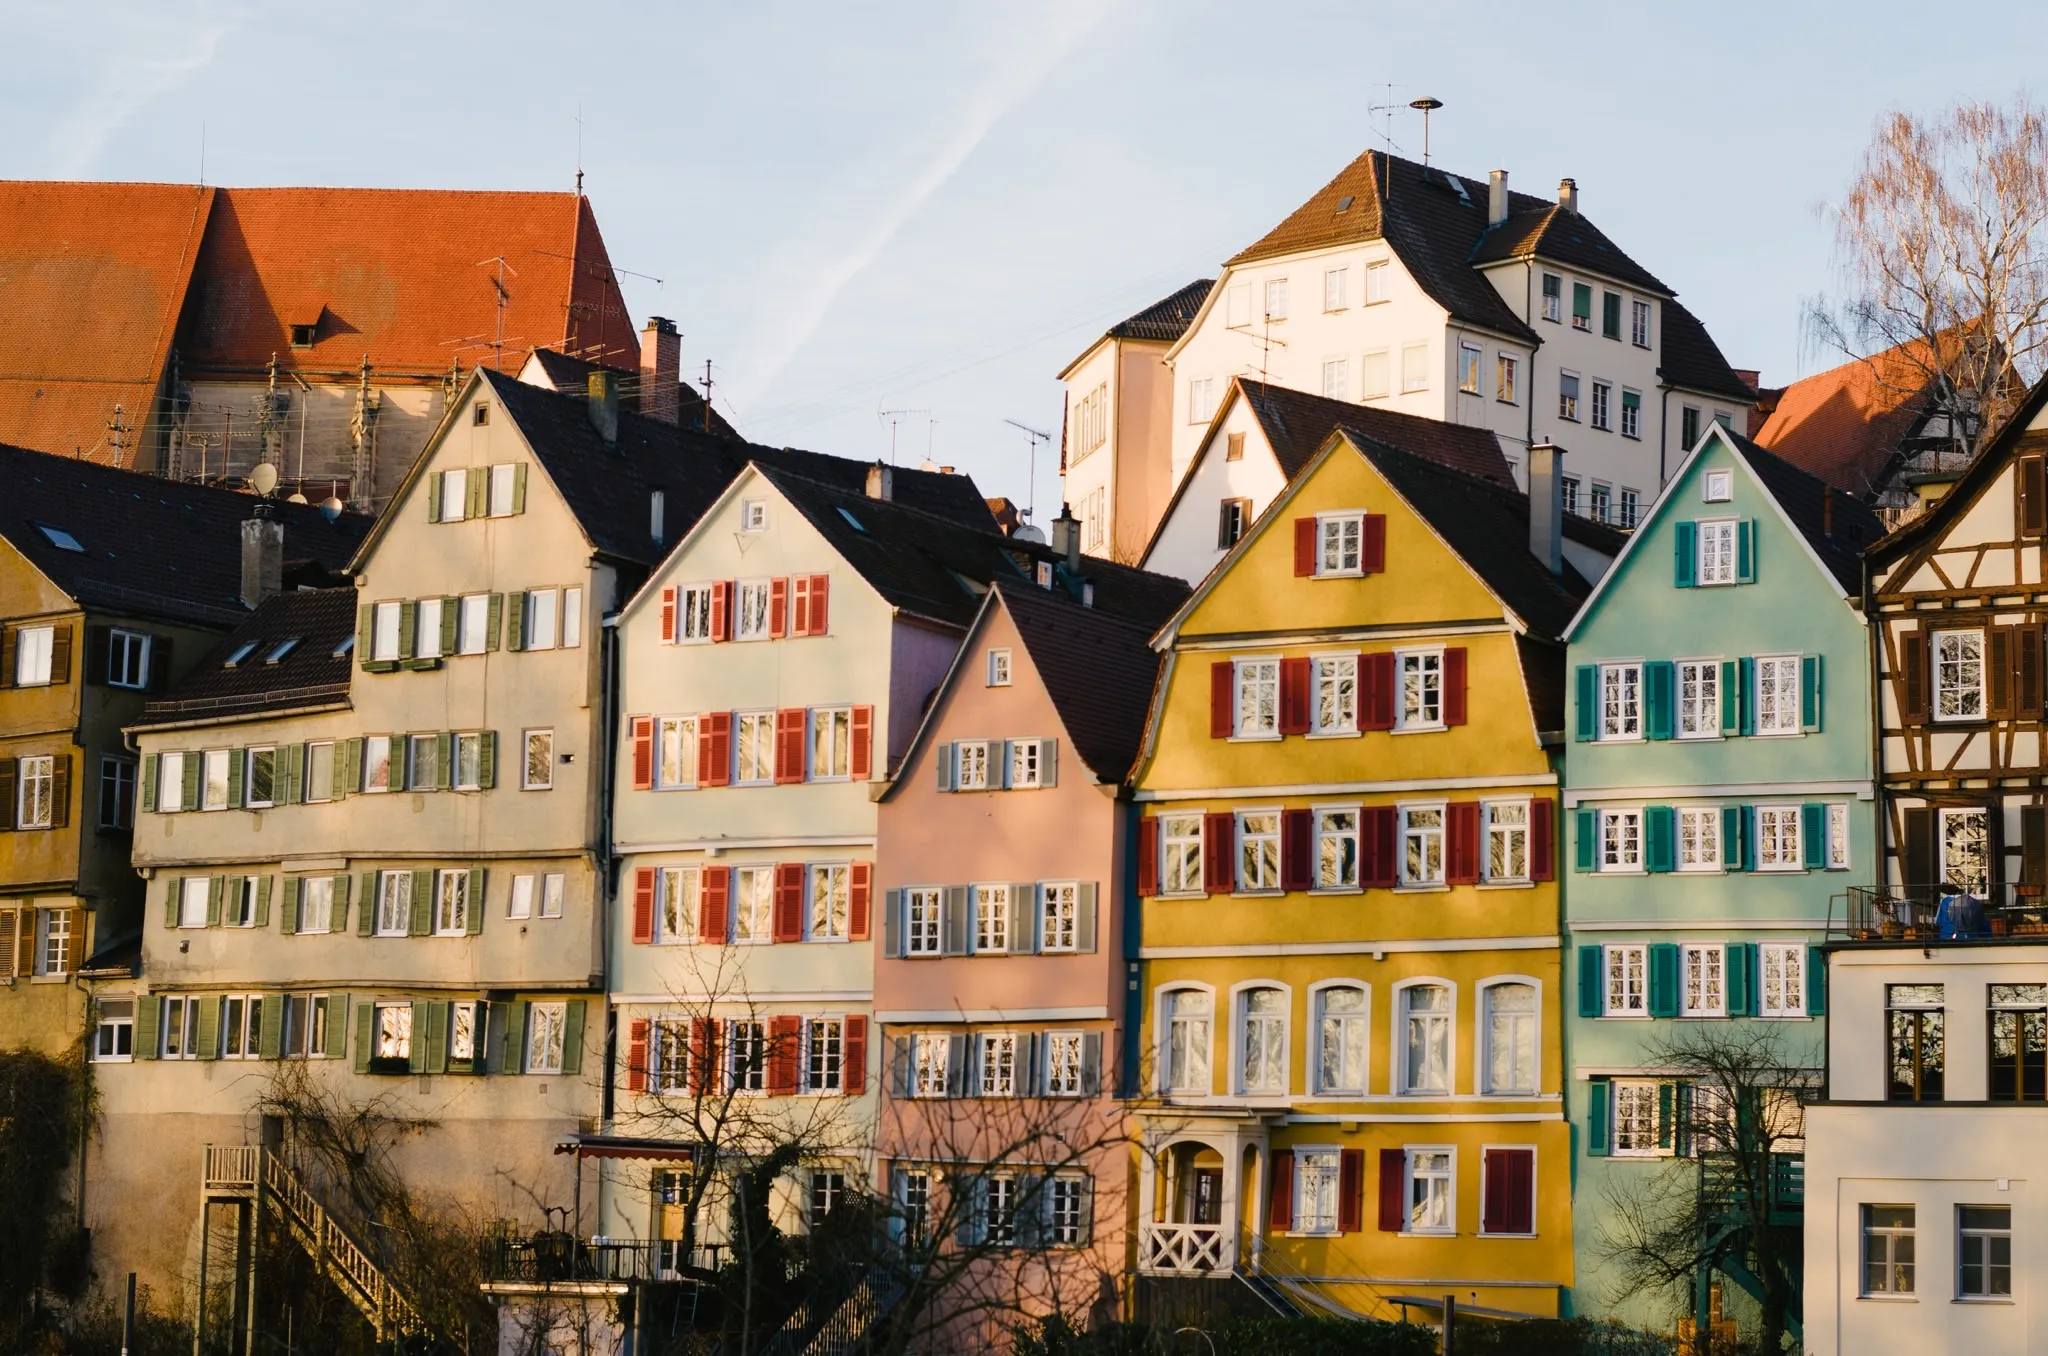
x: 1528, y: 309
x: 607, y: 861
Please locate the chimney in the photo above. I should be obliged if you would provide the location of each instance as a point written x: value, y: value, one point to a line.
x: 262, y: 554
x: 1066, y: 538
x: 602, y: 386
x: 881, y: 482
x: 1546, y: 506
x: 661, y: 368
x: 1568, y: 195
x: 1497, y: 198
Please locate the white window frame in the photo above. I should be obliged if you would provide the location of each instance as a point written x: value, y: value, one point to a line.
x: 1026, y: 772
x: 1421, y: 674
x: 504, y: 485
x: 693, y: 619
x: 761, y: 744
x: 1974, y: 822
x: 999, y: 667
x: 1336, y: 288
x: 1620, y: 694
x: 824, y: 1055
x: 973, y: 762
x: 1414, y: 368
x: 36, y: 798
x: 316, y: 905
x: 1716, y: 547
x: 1955, y: 698
x: 540, y: 629
x: 1780, y: 835
x: 828, y: 901
x: 1781, y: 980
x: 994, y: 919
x: 1513, y: 832
x: 753, y: 905
x: 546, y: 1037
x: 1698, y: 830
x: 35, y: 650
x: 1621, y: 841
x: 1201, y: 399
x: 55, y: 942
x: 996, y: 1060
x: 1059, y: 920
x: 1187, y: 1044
x: 1066, y: 1074
x: 1631, y: 412
x: 386, y: 632
x: 1625, y: 981
x: 452, y: 902
x: 178, y: 1031
x: 1345, y: 1021
x: 1333, y: 832
x: 1255, y: 683
x: 248, y: 1027
x: 1375, y: 375
x: 1180, y: 855
x: 238, y: 907
x: 1639, y: 322
x: 1333, y: 697
x: 1340, y: 544
x: 1257, y: 865
x: 394, y: 891
x: 113, y: 1017
x: 1436, y: 1026
x: 1837, y: 855
x: 1273, y: 1033
x: 1066, y: 1209
x: 1375, y: 281
x: 1697, y: 694
x: 1275, y: 291
x: 1441, y: 1181
x: 1524, y: 1082
x: 751, y: 600
x: 214, y: 767
x: 1415, y: 831
x: 1702, y: 979
x: 930, y: 1059
x: 1471, y: 357
x: 194, y: 895
x: 924, y: 921
x: 753, y: 515
x: 677, y: 735
x: 1507, y: 378
x: 829, y: 730
x: 1632, y: 1105
x: 426, y: 629
x: 170, y: 782
x: 1777, y: 695
x: 1318, y: 1171
x: 1336, y: 379
x: 128, y: 656
x: 532, y: 742
x: 1603, y: 405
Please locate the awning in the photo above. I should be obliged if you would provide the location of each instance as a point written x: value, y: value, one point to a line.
x: 622, y: 1146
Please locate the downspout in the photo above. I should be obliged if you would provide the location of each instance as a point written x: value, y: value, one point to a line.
x: 607, y: 861
x: 1528, y: 307
x: 1663, y: 429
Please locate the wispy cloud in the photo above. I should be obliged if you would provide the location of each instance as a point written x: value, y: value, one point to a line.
x: 1023, y: 72
x: 161, y: 52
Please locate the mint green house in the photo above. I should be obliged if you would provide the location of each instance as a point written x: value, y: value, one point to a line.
x: 1719, y: 790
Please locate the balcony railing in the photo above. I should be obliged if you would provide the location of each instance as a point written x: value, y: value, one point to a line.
x: 1185, y: 1249
x: 555, y: 1257
x: 1940, y: 913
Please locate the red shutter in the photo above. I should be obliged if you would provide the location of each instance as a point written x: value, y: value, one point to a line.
x: 643, y: 751
x: 1222, y: 699
x: 1379, y: 853
x: 1280, y: 1195
x: 800, y: 605
x: 1454, y: 685
x: 1294, y: 696
x: 1350, y: 1191
x: 1148, y: 855
x: 789, y: 901
x: 821, y: 588
x: 1297, y: 850
x: 784, y: 1036
x: 789, y: 745
x: 1219, y: 852
x: 1542, y: 840
x: 1372, y: 545
x: 713, y: 903
x: 1509, y: 1179
x: 1304, y: 547
x: 1377, y: 691
x: 721, y: 610
x: 1393, y: 1167
x: 714, y: 749
x: 636, y: 1056
x: 668, y: 614
x: 861, y: 762
x: 703, y: 1054
x: 778, y: 608
x: 643, y: 904
x: 1463, y: 831
x: 853, y: 1066
x: 859, y: 894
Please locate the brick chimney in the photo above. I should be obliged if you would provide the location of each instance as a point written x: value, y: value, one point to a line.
x: 602, y: 387
x: 1497, y: 197
x: 661, y: 368
x: 262, y: 554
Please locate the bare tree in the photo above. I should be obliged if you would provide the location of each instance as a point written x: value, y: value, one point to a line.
x: 1942, y: 245
x: 1723, y: 1202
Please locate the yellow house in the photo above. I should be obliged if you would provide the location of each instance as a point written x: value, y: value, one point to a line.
x: 1351, y: 1068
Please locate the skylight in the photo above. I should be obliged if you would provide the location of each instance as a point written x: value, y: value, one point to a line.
x: 853, y: 520
x: 284, y: 647
x: 342, y: 650
x: 1344, y: 203
x: 242, y: 652
x: 60, y: 539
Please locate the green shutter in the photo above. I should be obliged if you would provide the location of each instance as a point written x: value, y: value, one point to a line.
x: 216, y: 888
x: 348, y: 768
x: 1733, y: 825
x: 1681, y: 1116
x: 1610, y: 315
x: 366, y: 631
x: 1589, y: 981
x: 422, y: 902
x: 1588, y: 838
x: 149, y: 774
x: 1745, y: 551
x: 366, y: 1034
x: 288, y: 915
x: 508, y: 1035
x: 1731, y: 698
x: 451, y: 613
x: 270, y: 1032
x: 1684, y: 566
x: 340, y: 923
x: 1660, y: 839
x: 1816, y: 982
x: 487, y: 760
x: 408, y: 621
x: 1663, y: 979
x: 1813, y: 836
x: 1660, y: 684
x: 288, y: 768
x: 1663, y: 1115
x: 572, y: 1037
x: 238, y: 767
x: 173, y: 900
x: 1745, y: 670
x: 436, y: 1036
x: 208, y: 1037
x: 1810, y: 693
x: 433, y: 496
x: 189, y: 766
x: 337, y: 1023
x: 263, y: 902
x: 515, y: 621
x: 1741, y: 965
x: 417, y: 1051
x: 475, y: 920
x: 149, y: 1010
x: 476, y: 493
x: 444, y: 758
x: 366, y: 907
x: 494, y: 619
x: 1596, y: 1118
x: 519, y: 487
x: 1588, y: 693
x: 1582, y: 302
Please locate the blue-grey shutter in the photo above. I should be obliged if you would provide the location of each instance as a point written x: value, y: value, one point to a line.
x: 1084, y: 917
x: 942, y: 760
x: 1048, y: 762
x: 892, y: 923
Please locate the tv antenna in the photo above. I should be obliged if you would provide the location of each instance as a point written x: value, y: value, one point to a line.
x: 504, y: 300
x: 1034, y: 437
x: 1426, y: 106
x: 893, y: 417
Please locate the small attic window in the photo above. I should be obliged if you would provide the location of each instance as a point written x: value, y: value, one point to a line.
x: 1719, y: 487
x: 242, y: 652
x: 1045, y: 574
x: 284, y: 647
x: 302, y: 335
x: 59, y: 538
x: 480, y: 413
x: 1344, y: 203
x: 851, y: 520
x: 348, y: 644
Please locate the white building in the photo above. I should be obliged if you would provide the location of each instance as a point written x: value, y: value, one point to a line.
x: 1442, y: 296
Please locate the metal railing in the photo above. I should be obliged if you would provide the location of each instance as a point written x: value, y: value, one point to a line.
x: 1931, y: 913
x: 553, y: 1256
x: 1785, y: 1185
x: 1185, y: 1249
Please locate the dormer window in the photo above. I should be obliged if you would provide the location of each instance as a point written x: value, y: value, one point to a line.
x: 1045, y: 574
x: 302, y: 335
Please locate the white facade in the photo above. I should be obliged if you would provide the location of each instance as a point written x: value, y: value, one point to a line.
x: 1191, y: 539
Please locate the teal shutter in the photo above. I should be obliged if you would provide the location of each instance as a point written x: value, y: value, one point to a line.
x: 1588, y: 838
x: 1660, y: 838
x: 1810, y: 694
x: 1685, y: 555
x: 1745, y: 673
x: 1596, y: 1118
x: 1816, y: 982
x: 1813, y: 836
x: 1663, y: 1115
x: 1748, y: 816
x: 1663, y: 979
x: 1745, y: 551
x: 1681, y: 1129
x: 1731, y: 698
x: 1589, y: 981
x: 1741, y: 965
x: 1660, y: 680
x: 1732, y: 826
x: 1588, y: 685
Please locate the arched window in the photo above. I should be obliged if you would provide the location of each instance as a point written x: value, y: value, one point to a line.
x: 1189, y: 1013
x: 1426, y: 1038
x: 1265, y: 1041
x: 1340, y: 1040
x: 1510, y: 1026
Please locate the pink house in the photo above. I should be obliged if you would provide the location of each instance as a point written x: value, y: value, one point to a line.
x: 1004, y: 875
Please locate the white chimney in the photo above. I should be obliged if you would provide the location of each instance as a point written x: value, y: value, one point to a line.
x: 881, y: 482
x: 1568, y: 195
x: 1497, y: 198
x: 1546, y: 506
x: 262, y: 554
x: 661, y: 367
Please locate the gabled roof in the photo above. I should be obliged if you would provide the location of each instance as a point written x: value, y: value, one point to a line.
x: 1098, y: 669
x: 566, y: 372
x: 311, y: 674
x: 1992, y: 454
x: 1168, y: 318
x: 1297, y: 424
x: 150, y: 547
x: 1689, y: 357
x: 1553, y: 231
x: 1849, y: 424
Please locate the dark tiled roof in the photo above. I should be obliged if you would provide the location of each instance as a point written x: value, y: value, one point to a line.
x: 311, y: 675
x: 1166, y: 319
x: 1543, y: 677
x: 1097, y: 668
x: 1554, y: 232
x: 1297, y: 425
x: 1834, y: 523
x: 1693, y: 360
x: 566, y: 372
x: 152, y: 547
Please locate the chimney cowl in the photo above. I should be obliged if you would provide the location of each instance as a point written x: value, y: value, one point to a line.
x: 1546, y: 506
x: 881, y: 483
x: 1497, y: 197
x: 602, y: 388
x: 1568, y: 195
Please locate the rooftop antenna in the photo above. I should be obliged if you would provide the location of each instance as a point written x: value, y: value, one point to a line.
x: 706, y: 384
x: 1426, y: 106
x: 579, y: 149
x: 1386, y: 112
x: 504, y: 300
x: 893, y: 416
x: 1034, y: 437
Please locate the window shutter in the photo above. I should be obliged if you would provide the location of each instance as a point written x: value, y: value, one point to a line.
x: 1811, y: 692
x: 1372, y: 544
x: 366, y: 907
x: 288, y: 911
x: 789, y: 745
x: 861, y: 759
x: 237, y: 766
x: 1663, y: 979
x: 208, y: 1038
x: 1741, y: 963
x: 1816, y: 982
x: 1591, y: 997
x: 473, y: 916
x: 1731, y: 697
x: 1454, y: 685
x: 1304, y: 547
x: 1350, y: 1190
x: 476, y: 492
x: 1280, y: 1196
x: 1297, y: 849
x: 1377, y: 689
x: 1586, y: 693
x: 1684, y: 567
x: 953, y: 923
x: 60, y: 791
x: 860, y: 891
x: 1998, y: 664
x: 159, y: 663
x: 2026, y: 673
x: 422, y: 902
x: 487, y: 760
x: 434, y: 496
x: 1745, y: 687
x: 150, y: 764
x: 1148, y: 856
x: 714, y: 749
x: 60, y: 653
x: 430, y: 1037
x: 942, y: 764
x: 1660, y: 683
x: 636, y: 1055
x: 1380, y: 857
x: 1223, y: 536
x: 643, y: 904
x: 1086, y: 909
x: 1917, y: 855
x: 1463, y: 834
x: 1597, y: 1123
x: 642, y: 731
x: 1393, y: 1171
x: 789, y: 901
x: 348, y: 768
x: 494, y: 620
x: 892, y: 923
x: 784, y: 1036
x: 366, y: 1035
x: 1048, y: 762
x: 572, y: 1036
x: 800, y: 605
x: 1219, y: 852
x: 1660, y: 850
x: 1813, y: 836
x: 668, y: 615
x: 721, y: 610
x: 1294, y: 696
x: 778, y: 608
x: 1588, y: 839
x: 1745, y: 551
x: 148, y: 1017
x: 1222, y: 699
x: 821, y: 590
x: 98, y: 641
x: 1542, y: 840
x: 190, y: 789
x: 714, y: 904
x: 444, y: 760
x: 853, y: 1066
x: 1733, y: 822
x: 263, y: 901
x: 216, y: 888
x: 1493, y: 1192
x: 1663, y: 1115
x: 2032, y: 509
x: 1682, y: 1120
x: 2033, y: 847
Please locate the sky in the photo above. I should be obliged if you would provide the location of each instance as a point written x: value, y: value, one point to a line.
x: 932, y: 208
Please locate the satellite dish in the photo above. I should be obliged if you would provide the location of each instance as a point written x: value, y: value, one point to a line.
x: 298, y: 499
x: 264, y: 478
x: 330, y: 508
x: 1028, y: 533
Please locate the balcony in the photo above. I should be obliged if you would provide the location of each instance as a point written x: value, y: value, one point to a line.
x: 1167, y: 1249
x: 557, y: 1258
x: 1938, y: 913
x: 1721, y: 1182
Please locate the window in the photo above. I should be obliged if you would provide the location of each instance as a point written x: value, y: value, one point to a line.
x: 1335, y: 282
x: 1984, y: 1252
x: 1258, y: 698
x: 1188, y: 1015
x: 1027, y: 764
x: 1316, y: 1173
x: 1719, y: 487
x: 1703, y: 980
x: 1553, y: 297
x: 241, y: 1026
x: 537, y: 767
x: 1422, y: 689
x: 668, y: 1057
x: 1468, y: 368
x: 504, y: 490
x: 1571, y: 493
x: 747, y: 1043
x: 750, y: 614
x: 756, y: 764
x: 394, y: 903
x: 426, y: 629
x: 675, y: 763
x: 376, y: 763
x: 1958, y: 675
x: 1511, y: 1038
x: 1628, y: 982
x: 1276, y: 298
x: 1064, y: 1058
x: 1603, y: 401
x: 1610, y: 315
x: 2019, y: 1043
x: 1258, y: 851
x: 316, y: 904
x: 393, y: 1034
x: 1233, y: 517
x: 1201, y: 399
x: 304, y: 1033
x: 238, y: 903
x: 1426, y: 1039
x: 1180, y: 847
x: 996, y: 1060
x: 1916, y: 1063
x: 928, y: 1064
x: 423, y: 770
x: 1066, y: 1213
x: 214, y: 771
x: 1621, y: 701
x: 34, y: 647
x: 830, y: 896
x: 1887, y: 1249
x: 824, y: 1047
x: 37, y: 797
x: 1264, y: 1036
x: 113, y: 1037
x: 999, y: 1210
x: 832, y: 745
x: 1336, y: 849
x: 1699, y: 699
x: 1838, y: 837
x: 1635, y: 1118
x: 127, y: 658
x: 1422, y: 845
x: 1568, y: 396
x: 677, y: 919
x: 1699, y: 838
x: 1341, y: 1034
x: 1777, y: 689
x: 971, y: 765
x: 1414, y: 367
x: 1336, y: 379
x: 1429, y: 1192
x: 1777, y: 838
x: 52, y: 940
x: 193, y: 896
x: 1965, y: 845
x: 1376, y: 282
x: 59, y: 538
x: 1507, y: 840
x: 1717, y: 553
x: 999, y: 668
x: 180, y: 1032
x: 1060, y: 916
x: 753, y: 515
x: 553, y: 886
x: 1339, y: 537
x: 538, y: 628
x: 1506, y: 379
x: 1639, y: 323
x: 1781, y: 970
x: 455, y: 491
x: 914, y: 1190
x: 1600, y: 509
x: 468, y: 772
x: 519, y: 904
x: 828, y: 1189
x: 451, y: 903
x: 318, y: 783
x: 1688, y: 427
x: 547, y: 1027
x: 991, y: 918
x: 924, y: 910
x: 1374, y: 380
x: 1631, y: 413
x: 384, y: 632
x: 1582, y: 307
x: 170, y: 783
x: 753, y: 894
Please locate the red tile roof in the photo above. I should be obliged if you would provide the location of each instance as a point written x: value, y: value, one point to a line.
x: 1845, y: 424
